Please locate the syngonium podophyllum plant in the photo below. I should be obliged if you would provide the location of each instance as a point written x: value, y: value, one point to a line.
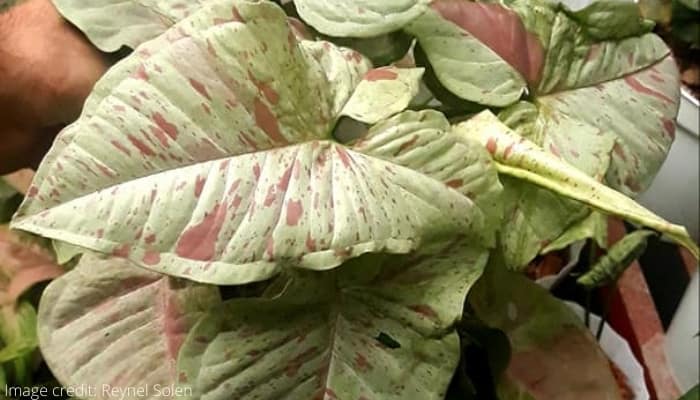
x: 216, y: 155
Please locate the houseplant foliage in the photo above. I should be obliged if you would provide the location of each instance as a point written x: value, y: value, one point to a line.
x: 210, y: 157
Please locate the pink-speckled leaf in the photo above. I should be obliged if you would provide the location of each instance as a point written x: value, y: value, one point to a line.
x: 554, y: 356
x: 479, y: 52
x: 23, y: 263
x: 381, y: 328
x: 108, y: 322
x: 604, y: 103
x: 211, y: 157
x: 522, y: 159
x: 111, y: 25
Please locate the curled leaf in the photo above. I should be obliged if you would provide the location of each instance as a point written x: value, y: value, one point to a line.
x: 611, y: 265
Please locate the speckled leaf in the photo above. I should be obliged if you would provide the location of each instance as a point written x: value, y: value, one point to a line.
x: 533, y: 217
x: 19, y: 339
x: 469, y: 46
x: 108, y: 322
x: 359, y: 18
x: 612, y: 19
x: 522, y: 159
x: 382, y: 327
x: 599, y: 100
x: 211, y: 157
x: 111, y: 24
x: 554, y: 356
x: 382, y: 93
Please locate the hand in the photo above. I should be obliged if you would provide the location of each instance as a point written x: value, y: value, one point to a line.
x: 47, y: 69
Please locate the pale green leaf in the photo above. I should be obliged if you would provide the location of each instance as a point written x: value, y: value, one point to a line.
x: 524, y: 160
x: 382, y: 327
x: 612, y: 19
x: 594, y: 226
x: 359, y: 18
x: 458, y: 42
x: 554, y: 356
x: 111, y: 24
x: 17, y: 331
x: 211, y: 157
x: 108, y: 322
x: 382, y: 93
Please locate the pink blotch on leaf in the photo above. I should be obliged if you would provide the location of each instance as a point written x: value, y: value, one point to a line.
x: 200, y: 88
x: 151, y: 258
x: 266, y: 120
x: 199, y: 185
x: 380, y: 74
x: 199, y: 241
x: 491, y: 145
x: 424, y: 310
x: 163, y: 124
x: 638, y: 87
x: 294, y: 211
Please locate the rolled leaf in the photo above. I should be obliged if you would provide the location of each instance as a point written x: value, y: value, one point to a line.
x: 522, y: 159
x: 611, y: 265
x: 108, y: 322
x: 382, y: 327
x: 211, y: 158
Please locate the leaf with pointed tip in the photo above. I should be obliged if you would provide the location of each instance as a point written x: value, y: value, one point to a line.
x: 212, y: 158
x: 108, y: 322
x: 469, y: 47
x: 319, y: 340
x: 359, y: 18
x: 382, y: 93
x: 522, y: 159
x: 553, y: 355
x: 110, y: 24
x: 594, y: 226
x: 605, y: 101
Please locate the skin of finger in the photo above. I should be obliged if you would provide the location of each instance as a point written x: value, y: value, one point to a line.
x: 47, y: 69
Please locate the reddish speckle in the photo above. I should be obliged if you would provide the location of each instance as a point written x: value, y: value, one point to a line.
x: 33, y: 191
x: 361, y: 363
x: 669, y: 127
x: 268, y: 92
x: 380, y: 74
x: 141, y: 73
x: 310, y: 242
x: 283, y: 183
x: 406, y: 145
x: 344, y: 157
x: 199, y: 241
x: 121, y: 251
x: 454, y: 183
x: 167, y: 127
x: 150, y: 239
x: 491, y: 145
x: 294, y: 212
x: 105, y: 171
x: 256, y: 171
x: 270, y: 247
x: 424, y: 310
x: 266, y: 120
x: 509, y: 150
x: 121, y: 147
x: 553, y: 149
x: 199, y: 185
x: 617, y: 149
x: 270, y: 196
x: 151, y: 258
x: 119, y: 108
x: 640, y: 88
x: 100, y: 233
x: 182, y: 378
x: 141, y: 146
x: 200, y: 88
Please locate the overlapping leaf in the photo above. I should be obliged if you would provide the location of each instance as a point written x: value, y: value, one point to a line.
x: 379, y: 327
x: 359, y: 18
x: 108, y: 322
x: 553, y: 355
x: 211, y: 157
x: 522, y: 159
x: 110, y: 24
x: 480, y: 52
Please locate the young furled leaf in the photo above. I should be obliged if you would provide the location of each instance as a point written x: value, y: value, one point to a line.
x: 211, y: 157
x: 611, y: 265
x: 520, y: 158
x: 381, y: 326
x: 108, y: 322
